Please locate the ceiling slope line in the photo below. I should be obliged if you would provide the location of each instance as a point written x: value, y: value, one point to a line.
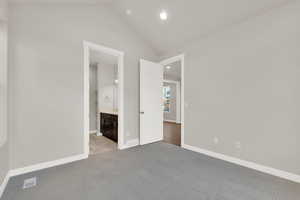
x: 261, y: 12
x: 134, y: 30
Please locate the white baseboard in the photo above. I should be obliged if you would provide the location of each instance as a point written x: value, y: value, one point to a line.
x: 99, y: 134
x: 131, y: 143
x: 96, y: 132
x: 40, y: 166
x: 32, y: 168
x: 4, y: 184
x: 251, y: 165
x: 93, y: 132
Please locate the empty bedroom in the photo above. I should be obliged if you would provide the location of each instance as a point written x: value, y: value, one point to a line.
x: 160, y: 99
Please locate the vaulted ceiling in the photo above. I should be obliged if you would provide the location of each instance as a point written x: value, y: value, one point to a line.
x: 189, y: 20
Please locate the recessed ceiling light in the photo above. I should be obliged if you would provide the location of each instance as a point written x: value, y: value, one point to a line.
x: 128, y: 12
x: 168, y: 67
x: 163, y: 15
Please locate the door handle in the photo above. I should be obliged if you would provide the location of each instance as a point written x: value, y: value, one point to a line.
x: 142, y: 112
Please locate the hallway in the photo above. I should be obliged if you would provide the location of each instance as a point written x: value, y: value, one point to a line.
x: 172, y: 133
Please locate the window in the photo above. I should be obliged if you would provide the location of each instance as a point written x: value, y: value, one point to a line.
x: 167, y: 98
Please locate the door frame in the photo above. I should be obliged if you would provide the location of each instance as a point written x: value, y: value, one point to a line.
x: 87, y: 47
x: 182, y: 104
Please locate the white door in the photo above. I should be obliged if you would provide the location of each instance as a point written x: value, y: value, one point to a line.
x: 151, y: 102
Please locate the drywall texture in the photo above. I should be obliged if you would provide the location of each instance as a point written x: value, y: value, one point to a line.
x: 4, y: 162
x: 46, y: 76
x: 3, y: 9
x: 4, y: 147
x: 108, y: 89
x: 3, y: 78
x: 93, y: 97
x: 242, y: 85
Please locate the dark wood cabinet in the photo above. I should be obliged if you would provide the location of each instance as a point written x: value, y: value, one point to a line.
x: 109, y: 126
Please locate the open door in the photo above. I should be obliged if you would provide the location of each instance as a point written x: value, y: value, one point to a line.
x: 151, y: 102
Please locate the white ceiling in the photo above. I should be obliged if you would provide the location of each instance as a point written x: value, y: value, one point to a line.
x: 189, y: 20
x: 173, y: 73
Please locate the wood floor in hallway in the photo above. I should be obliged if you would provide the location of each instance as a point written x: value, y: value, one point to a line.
x: 172, y: 133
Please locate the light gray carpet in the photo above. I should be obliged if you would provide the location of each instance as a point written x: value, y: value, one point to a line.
x: 153, y: 172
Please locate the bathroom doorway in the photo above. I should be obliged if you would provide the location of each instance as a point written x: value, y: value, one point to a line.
x: 103, y: 96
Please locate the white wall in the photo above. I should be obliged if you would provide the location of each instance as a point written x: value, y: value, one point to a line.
x: 46, y: 76
x: 3, y: 82
x: 93, y: 96
x: 242, y: 84
x: 4, y: 147
x: 108, y: 90
x: 3, y: 9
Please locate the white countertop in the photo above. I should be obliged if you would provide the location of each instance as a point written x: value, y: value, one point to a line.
x: 109, y: 111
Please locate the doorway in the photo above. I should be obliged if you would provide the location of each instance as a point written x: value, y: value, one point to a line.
x: 162, y: 101
x: 173, y: 100
x: 103, y: 99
